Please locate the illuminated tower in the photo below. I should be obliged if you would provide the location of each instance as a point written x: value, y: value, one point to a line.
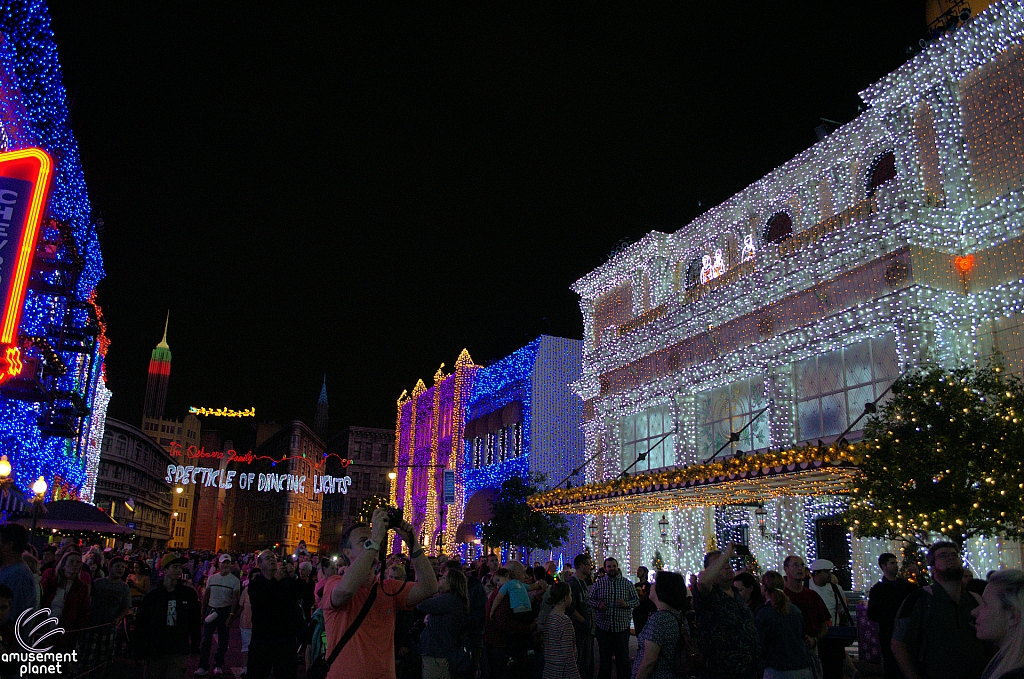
x: 320, y: 420
x: 159, y: 376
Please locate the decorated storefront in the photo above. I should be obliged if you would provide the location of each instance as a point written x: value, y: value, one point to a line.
x: 775, y: 320
x: 53, y: 396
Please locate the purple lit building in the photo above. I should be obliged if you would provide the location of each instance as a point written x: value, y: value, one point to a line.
x: 428, y: 430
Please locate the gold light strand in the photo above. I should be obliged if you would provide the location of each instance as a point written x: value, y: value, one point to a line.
x: 718, y: 472
x: 430, y: 520
x: 222, y: 412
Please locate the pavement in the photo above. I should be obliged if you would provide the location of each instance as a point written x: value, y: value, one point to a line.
x: 126, y: 668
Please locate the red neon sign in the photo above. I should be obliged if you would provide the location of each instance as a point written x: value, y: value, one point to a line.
x: 24, y: 184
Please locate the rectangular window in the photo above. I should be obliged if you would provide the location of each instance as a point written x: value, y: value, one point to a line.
x: 831, y: 389
x: 728, y: 409
x: 649, y: 432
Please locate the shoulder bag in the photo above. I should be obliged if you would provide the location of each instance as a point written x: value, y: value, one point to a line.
x: 321, y: 666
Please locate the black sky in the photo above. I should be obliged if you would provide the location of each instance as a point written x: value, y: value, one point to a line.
x: 364, y: 196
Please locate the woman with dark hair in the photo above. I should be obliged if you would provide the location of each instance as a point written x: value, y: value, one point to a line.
x: 559, y: 636
x: 656, y: 644
x: 447, y: 612
x: 750, y: 590
x: 780, y: 628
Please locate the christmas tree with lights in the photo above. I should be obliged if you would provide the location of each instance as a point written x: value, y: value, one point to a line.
x: 658, y: 563
x: 943, y: 459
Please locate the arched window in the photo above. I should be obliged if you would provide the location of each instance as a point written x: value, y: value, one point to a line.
x: 693, y: 272
x: 883, y: 170
x: 779, y: 228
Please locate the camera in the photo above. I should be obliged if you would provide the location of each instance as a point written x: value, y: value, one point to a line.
x: 394, y: 518
x: 742, y: 550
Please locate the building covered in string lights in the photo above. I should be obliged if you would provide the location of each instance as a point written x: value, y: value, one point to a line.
x: 429, y: 441
x: 759, y: 331
x: 523, y: 419
x: 52, y: 413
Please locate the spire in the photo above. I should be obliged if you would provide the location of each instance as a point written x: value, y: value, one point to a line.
x: 321, y: 420
x: 163, y: 342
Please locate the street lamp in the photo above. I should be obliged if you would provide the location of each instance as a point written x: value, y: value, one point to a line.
x: 5, y: 474
x: 39, y: 488
x: 392, y: 475
x: 663, y: 525
x: 762, y: 518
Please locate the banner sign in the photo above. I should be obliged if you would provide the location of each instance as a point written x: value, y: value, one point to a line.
x: 279, y: 483
x: 449, y: 487
x: 24, y: 184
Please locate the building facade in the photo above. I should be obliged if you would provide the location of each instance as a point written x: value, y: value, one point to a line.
x: 366, y: 456
x: 769, y: 321
x: 177, y: 437
x: 132, y: 473
x: 52, y: 410
x: 281, y: 516
x: 428, y: 441
x: 524, y: 419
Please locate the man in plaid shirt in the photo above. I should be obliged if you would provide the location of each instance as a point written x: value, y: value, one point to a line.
x: 613, y: 598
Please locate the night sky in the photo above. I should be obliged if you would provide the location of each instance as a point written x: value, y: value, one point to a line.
x: 366, y: 195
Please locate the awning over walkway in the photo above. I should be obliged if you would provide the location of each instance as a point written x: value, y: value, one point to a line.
x: 747, y: 481
x: 479, y: 510
x: 72, y: 516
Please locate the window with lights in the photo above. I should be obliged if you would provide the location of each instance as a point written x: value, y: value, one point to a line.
x: 648, y: 433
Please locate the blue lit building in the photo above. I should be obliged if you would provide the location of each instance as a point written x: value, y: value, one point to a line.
x: 523, y: 418
x: 52, y: 413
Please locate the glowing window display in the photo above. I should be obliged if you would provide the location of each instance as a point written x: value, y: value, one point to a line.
x: 832, y: 388
x: 647, y: 430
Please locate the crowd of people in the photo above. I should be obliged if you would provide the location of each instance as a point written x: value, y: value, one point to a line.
x: 409, y: 615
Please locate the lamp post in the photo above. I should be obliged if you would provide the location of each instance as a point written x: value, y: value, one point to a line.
x: 762, y: 518
x: 39, y: 488
x: 5, y: 474
x: 663, y: 525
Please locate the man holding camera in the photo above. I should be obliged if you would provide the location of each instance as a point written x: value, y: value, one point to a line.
x: 370, y: 653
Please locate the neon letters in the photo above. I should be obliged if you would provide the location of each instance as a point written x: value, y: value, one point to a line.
x: 279, y: 483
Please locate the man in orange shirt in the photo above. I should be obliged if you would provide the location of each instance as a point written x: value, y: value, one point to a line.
x: 370, y: 653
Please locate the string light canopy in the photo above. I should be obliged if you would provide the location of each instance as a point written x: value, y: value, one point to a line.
x: 748, y: 481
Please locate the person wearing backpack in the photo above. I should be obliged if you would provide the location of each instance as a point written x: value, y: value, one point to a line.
x: 832, y: 649
x: 658, y: 642
x: 934, y: 635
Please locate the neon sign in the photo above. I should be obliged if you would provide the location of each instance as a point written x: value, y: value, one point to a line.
x: 279, y: 483
x: 24, y: 184
x: 232, y: 455
x: 223, y: 412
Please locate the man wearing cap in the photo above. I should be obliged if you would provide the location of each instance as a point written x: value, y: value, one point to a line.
x: 831, y: 651
x: 220, y: 601
x: 168, y: 622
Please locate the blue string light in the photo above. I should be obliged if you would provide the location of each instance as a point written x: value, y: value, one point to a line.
x: 33, y: 112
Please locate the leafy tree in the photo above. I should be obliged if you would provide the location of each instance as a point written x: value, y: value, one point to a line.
x: 514, y: 524
x: 369, y: 504
x: 944, y: 457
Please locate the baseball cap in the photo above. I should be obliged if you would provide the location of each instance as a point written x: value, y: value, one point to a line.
x: 821, y: 565
x: 171, y: 559
x: 223, y: 558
